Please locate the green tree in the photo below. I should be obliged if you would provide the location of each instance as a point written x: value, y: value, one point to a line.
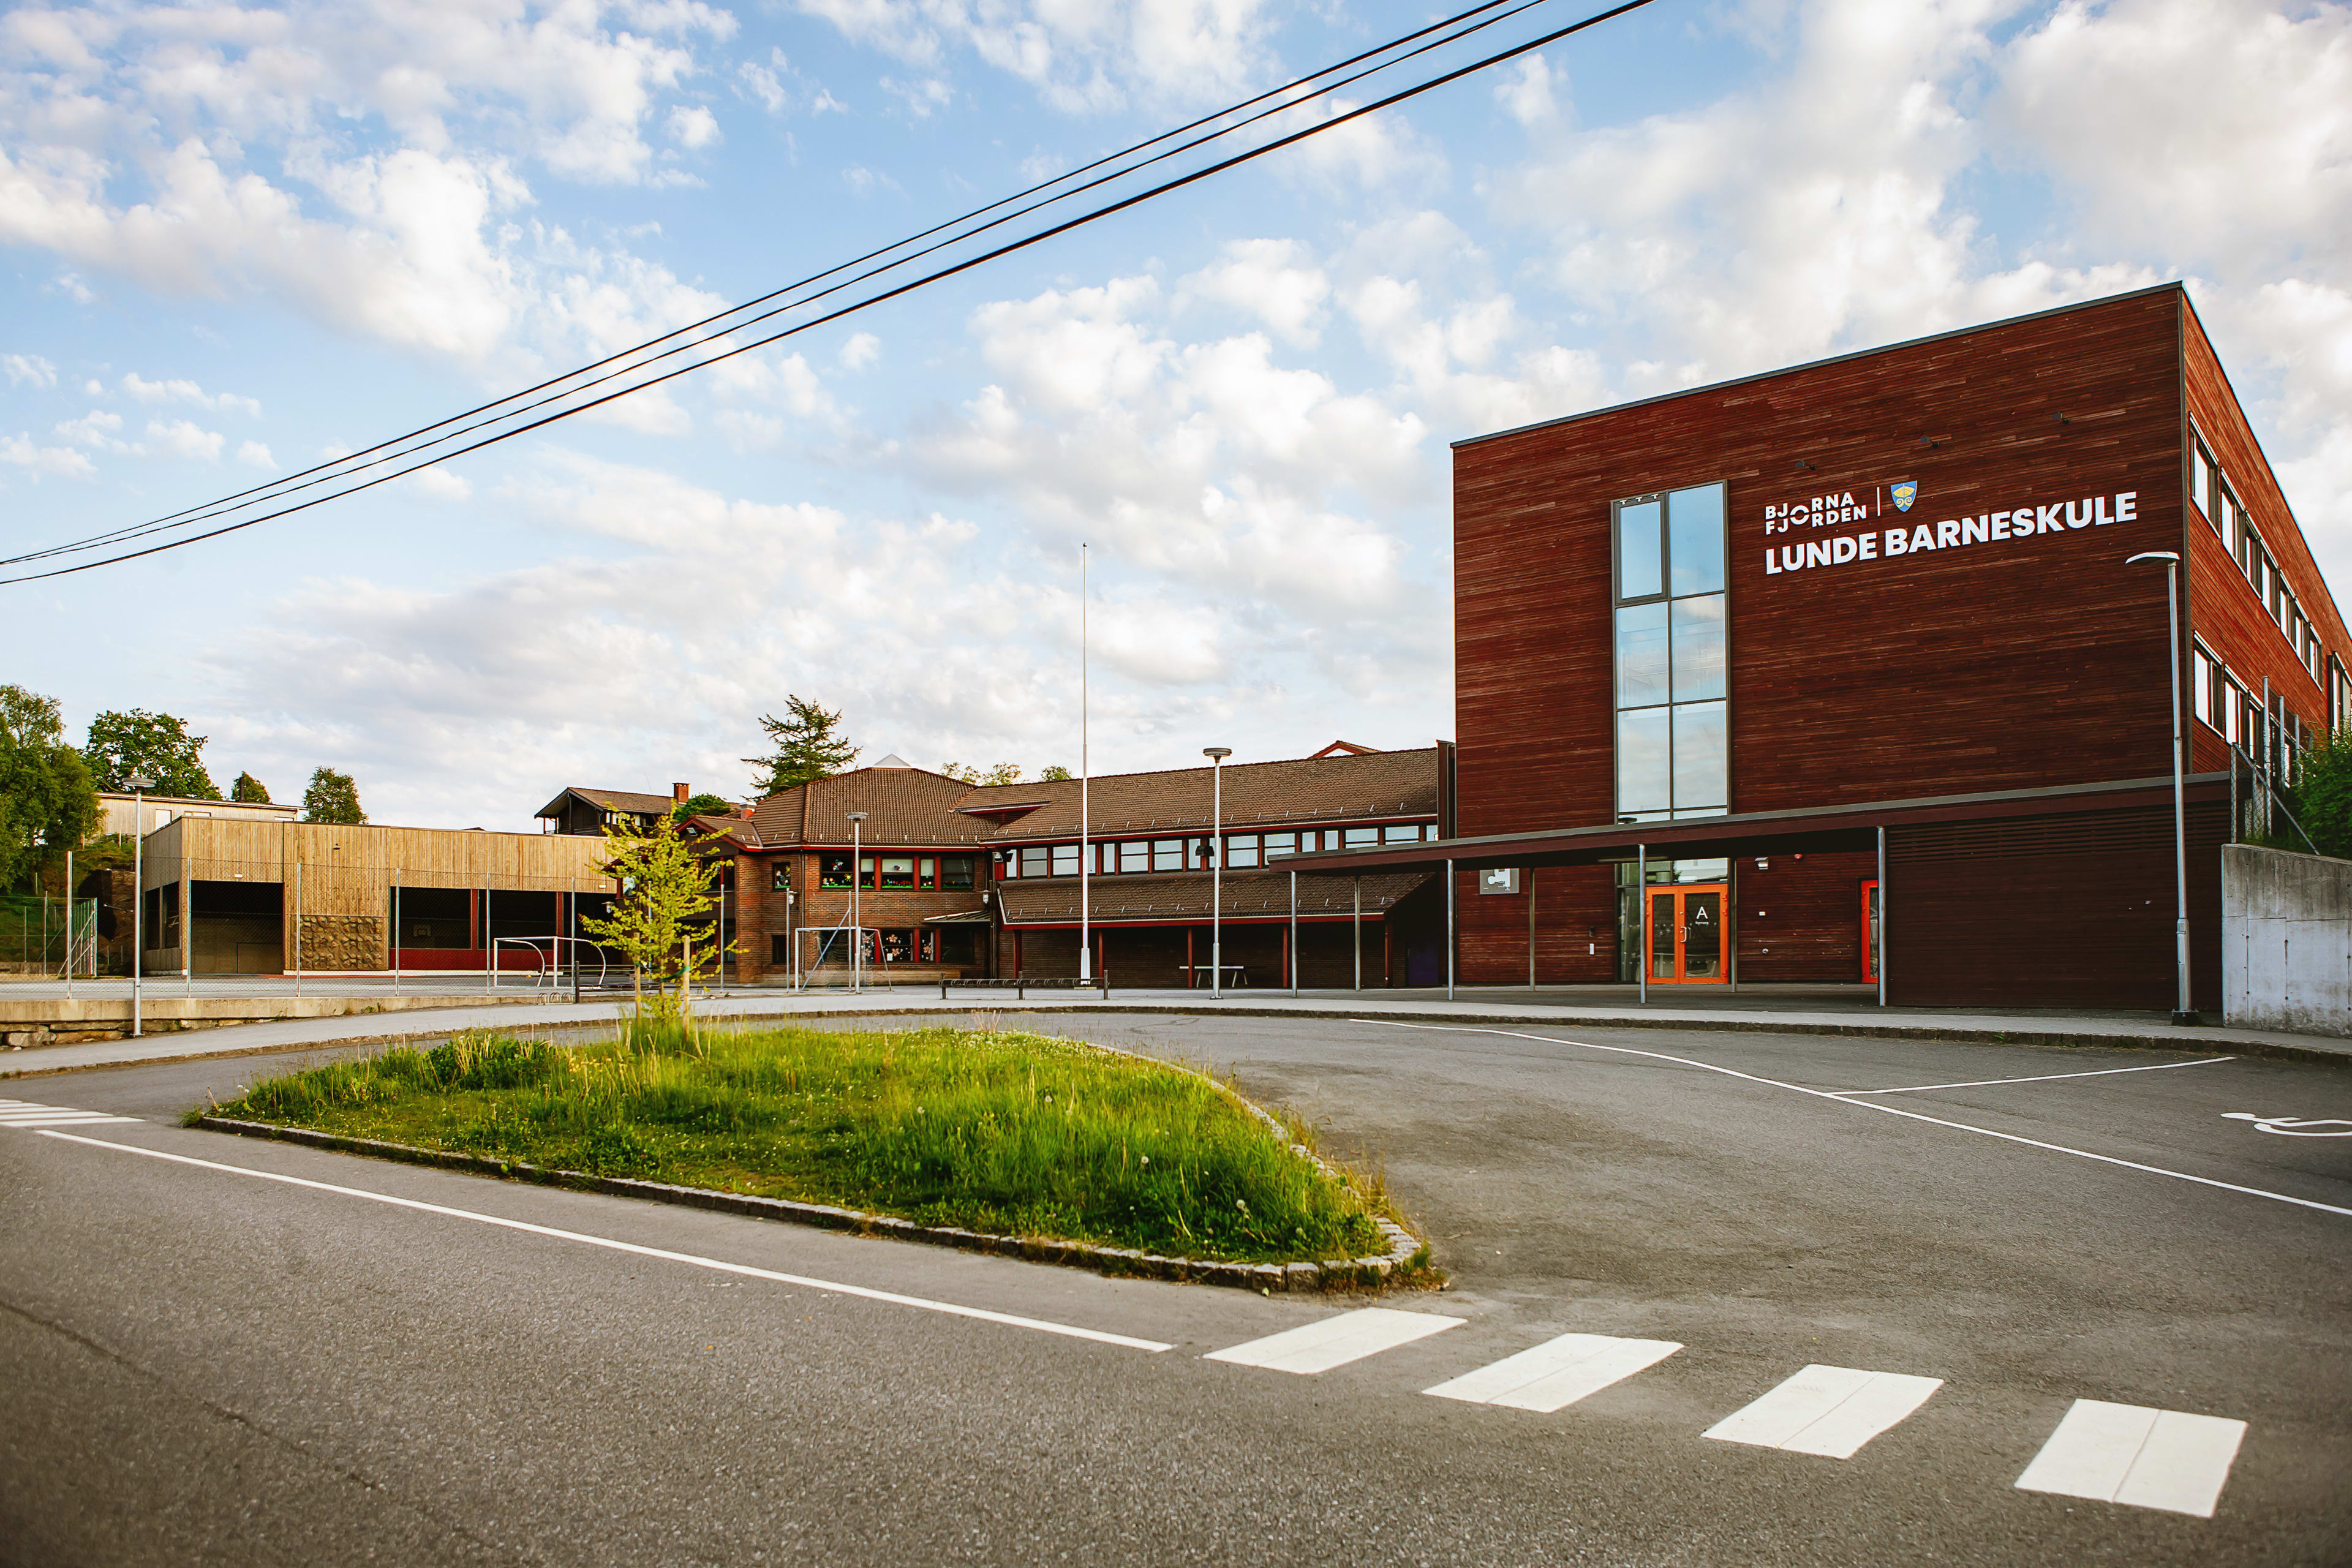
x: 1001, y: 773
x: 664, y: 889
x: 1053, y: 774
x: 155, y: 746
x: 249, y: 790
x: 701, y: 806
x: 809, y: 745
x: 48, y: 803
x: 332, y: 798
x: 2322, y: 797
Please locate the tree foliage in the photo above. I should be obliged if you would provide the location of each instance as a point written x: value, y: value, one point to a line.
x: 154, y: 746
x: 664, y: 890
x: 48, y: 803
x: 2322, y: 796
x: 701, y: 806
x: 249, y: 790
x: 808, y: 745
x: 1053, y: 774
x: 1001, y: 773
x: 332, y: 798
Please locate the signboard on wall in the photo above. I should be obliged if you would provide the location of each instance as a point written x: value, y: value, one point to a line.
x: 1889, y: 533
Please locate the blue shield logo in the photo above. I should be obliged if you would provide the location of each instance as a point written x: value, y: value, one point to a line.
x: 1904, y: 492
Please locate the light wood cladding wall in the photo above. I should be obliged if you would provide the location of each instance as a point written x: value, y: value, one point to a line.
x: 348, y: 871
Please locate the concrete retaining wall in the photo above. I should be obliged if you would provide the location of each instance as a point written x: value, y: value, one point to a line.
x: 2287, y: 941
x: 53, y: 1021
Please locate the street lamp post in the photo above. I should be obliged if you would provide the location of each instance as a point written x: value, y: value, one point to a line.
x: 2180, y: 1011
x: 857, y: 919
x: 139, y: 788
x: 1216, y: 755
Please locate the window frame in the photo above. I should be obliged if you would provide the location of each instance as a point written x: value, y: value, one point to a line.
x: 1666, y: 598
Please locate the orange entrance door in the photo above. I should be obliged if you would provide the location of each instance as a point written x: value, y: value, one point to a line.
x: 1684, y: 941
x: 1870, y: 929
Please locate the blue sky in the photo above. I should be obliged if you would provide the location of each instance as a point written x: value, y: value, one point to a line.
x: 236, y: 237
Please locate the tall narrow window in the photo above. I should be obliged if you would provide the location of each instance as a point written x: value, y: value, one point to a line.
x: 2200, y: 483
x: 1673, y: 723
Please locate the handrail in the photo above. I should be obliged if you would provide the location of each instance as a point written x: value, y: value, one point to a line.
x: 2271, y: 801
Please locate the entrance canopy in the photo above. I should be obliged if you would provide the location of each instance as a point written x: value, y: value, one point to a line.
x: 1819, y: 828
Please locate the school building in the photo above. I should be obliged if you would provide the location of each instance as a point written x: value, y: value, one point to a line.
x: 1844, y: 673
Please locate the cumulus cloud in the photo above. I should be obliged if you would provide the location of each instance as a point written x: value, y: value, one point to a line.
x: 1078, y: 59
x: 255, y: 455
x: 182, y: 391
x: 28, y: 370
x: 207, y: 152
x: 21, y: 451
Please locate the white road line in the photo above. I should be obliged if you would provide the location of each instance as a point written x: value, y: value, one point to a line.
x: 2046, y: 1077
x: 833, y: 1286
x: 1335, y: 1342
x: 1872, y: 1105
x: 1827, y: 1410
x: 25, y: 1113
x: 1557, y: 1372
x: 2133, y: 1455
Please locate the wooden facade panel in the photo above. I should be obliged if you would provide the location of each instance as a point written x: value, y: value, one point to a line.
x: 2009, y: 664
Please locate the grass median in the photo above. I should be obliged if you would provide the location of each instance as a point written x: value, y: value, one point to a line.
x: 994, y: 1131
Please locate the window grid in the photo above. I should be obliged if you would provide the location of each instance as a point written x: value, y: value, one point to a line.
x: 1669, y: 644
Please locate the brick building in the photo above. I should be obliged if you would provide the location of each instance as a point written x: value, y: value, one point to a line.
x: 946, y: 878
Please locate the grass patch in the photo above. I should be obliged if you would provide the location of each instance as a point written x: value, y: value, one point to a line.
x: 995, y: 1130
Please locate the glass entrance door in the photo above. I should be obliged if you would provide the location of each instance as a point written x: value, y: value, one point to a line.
x: 1684, y: 943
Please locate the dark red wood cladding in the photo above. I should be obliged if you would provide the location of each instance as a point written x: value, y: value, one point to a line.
x: 1995, y: 665
x: 2224, y: 612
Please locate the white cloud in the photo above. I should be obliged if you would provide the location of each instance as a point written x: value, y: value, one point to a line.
x: 28, y: 369
x: 1523, y: 90
x: 96, y: 429
x: 21, y: 451
x: 442, y: 483
x: 1275, y: 280
x: 1080, y: 58
x: 181, y: 438
x: 862, y: 349
x: 177, y: 391
x: 693, y: 126
x: 253, y: 454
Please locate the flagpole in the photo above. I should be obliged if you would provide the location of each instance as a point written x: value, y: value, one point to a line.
x: 1086, y: 845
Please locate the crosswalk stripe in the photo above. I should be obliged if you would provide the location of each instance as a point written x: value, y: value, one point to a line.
x: 1827, y: 1410
x: 2131, y: 1454
x: 25, y: 1113
x: 1557, y: 1372
x: 1335, y: 1342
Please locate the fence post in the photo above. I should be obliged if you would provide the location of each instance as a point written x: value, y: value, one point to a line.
x: 69, y: 925
x: 298, y: 930
x: 393, y: 948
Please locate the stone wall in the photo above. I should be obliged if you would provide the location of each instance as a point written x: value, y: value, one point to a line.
x: 2287, y: 941
x: 341, y: 941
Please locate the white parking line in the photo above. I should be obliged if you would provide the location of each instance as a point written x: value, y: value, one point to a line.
x: 1335, y: 1341
x: 1827, y: 1410
x: 2046, y: 1077
x: 2130, y: 1454
x: 1872, y: 1105
x: 835, y: 1287
x: 1555, y: 1373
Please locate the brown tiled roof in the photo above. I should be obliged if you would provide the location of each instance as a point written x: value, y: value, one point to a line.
x: 613, y: 800
x: 904, y: 806
x: 1366, y: 785
x: 1184, y: 896
x: 735, y: 827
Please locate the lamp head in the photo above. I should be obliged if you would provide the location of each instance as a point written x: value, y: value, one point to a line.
x: 856, y: 817
x: 1217, y: 752
x: 140, y: 784
x: 2154, y: 555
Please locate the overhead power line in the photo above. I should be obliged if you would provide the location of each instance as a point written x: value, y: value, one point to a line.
x: 400, y: 451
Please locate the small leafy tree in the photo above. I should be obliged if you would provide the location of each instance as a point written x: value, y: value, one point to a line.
x: 809, y: 745
x: 332, y: 798
x: 249, y: 790
x: 1053, y: 774
x: 155, y: 746
x: 2322, y: 796
x: 664, y: 889
x: 48, y: 803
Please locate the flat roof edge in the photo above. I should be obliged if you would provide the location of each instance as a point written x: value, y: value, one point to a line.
x: 2176, y: 285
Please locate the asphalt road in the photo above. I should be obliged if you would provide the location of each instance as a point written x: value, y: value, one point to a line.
x: 204, y: 1365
